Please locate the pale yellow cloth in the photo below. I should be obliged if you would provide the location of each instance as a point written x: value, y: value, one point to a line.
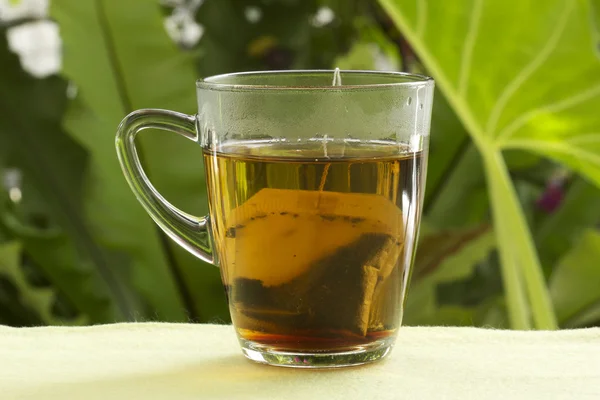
x: 172, y: 361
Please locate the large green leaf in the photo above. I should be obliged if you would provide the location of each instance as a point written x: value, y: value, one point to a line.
x: 173, y: 163
x: 520, y: 75
x: 120, y: 58
x: 575, y: 283
x: 456, y: 195
x: 32, y: 140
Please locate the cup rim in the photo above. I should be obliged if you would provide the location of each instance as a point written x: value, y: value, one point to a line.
x: 405, y: 79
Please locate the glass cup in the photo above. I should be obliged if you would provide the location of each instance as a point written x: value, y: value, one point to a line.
x: 315, y: 186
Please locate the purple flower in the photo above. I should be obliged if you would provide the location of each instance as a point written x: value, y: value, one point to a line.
x: 552, y: 197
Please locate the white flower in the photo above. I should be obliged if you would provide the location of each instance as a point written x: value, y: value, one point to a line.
x: 182, y: 28
x: 9, y: 10
x: 253, y: 14
x: 323, y: 17
x: 11, y: 181
x: 38, y: 45
x: 181, y: 25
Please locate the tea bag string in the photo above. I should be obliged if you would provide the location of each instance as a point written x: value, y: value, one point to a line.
x: 327, y: 165
x: 337, y: 81
x: 324, y: 177
x: 337, y: 78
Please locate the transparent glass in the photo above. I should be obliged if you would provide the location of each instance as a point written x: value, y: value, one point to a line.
x: 315, y: 184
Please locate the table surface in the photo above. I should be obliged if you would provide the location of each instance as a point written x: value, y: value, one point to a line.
x: 185, y: 361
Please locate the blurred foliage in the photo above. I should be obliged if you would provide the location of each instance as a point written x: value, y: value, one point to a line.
x: 48, y: 222
x: 115, y: 73
x: 77, y: 248
x: 527, y: 80
x: 575, y: 282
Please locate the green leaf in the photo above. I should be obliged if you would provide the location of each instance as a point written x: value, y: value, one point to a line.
x: 121, y: 59
x: 461, y: 199
x: 444, y: 256
x: 560, y: 123
x: 173, y: 163
x: 371, y: 50
x: 456, y: 195
x: 360, y: 57
x: 537, y: 90
x: 575, y: 283
x: 448, y: 143
x: 587, y: 318
x: 448, y: 255
x: 577, y: 213
x: 31, y: 137
x: 38, y: 299
x: 53, y: 252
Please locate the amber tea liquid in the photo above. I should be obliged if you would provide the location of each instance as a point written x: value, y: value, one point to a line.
x: 314, y: 240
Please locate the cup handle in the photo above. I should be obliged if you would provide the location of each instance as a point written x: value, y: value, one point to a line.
x: 186, y: 230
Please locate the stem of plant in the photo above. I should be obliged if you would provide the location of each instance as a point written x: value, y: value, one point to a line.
x: 519, y: 260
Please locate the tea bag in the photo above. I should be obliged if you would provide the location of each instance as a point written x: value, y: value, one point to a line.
x: 311, y: 259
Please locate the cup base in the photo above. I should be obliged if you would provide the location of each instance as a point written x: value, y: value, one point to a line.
x: 358, y: 355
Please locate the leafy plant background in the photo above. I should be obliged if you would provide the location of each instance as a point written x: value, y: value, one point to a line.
x: 510, y: 233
